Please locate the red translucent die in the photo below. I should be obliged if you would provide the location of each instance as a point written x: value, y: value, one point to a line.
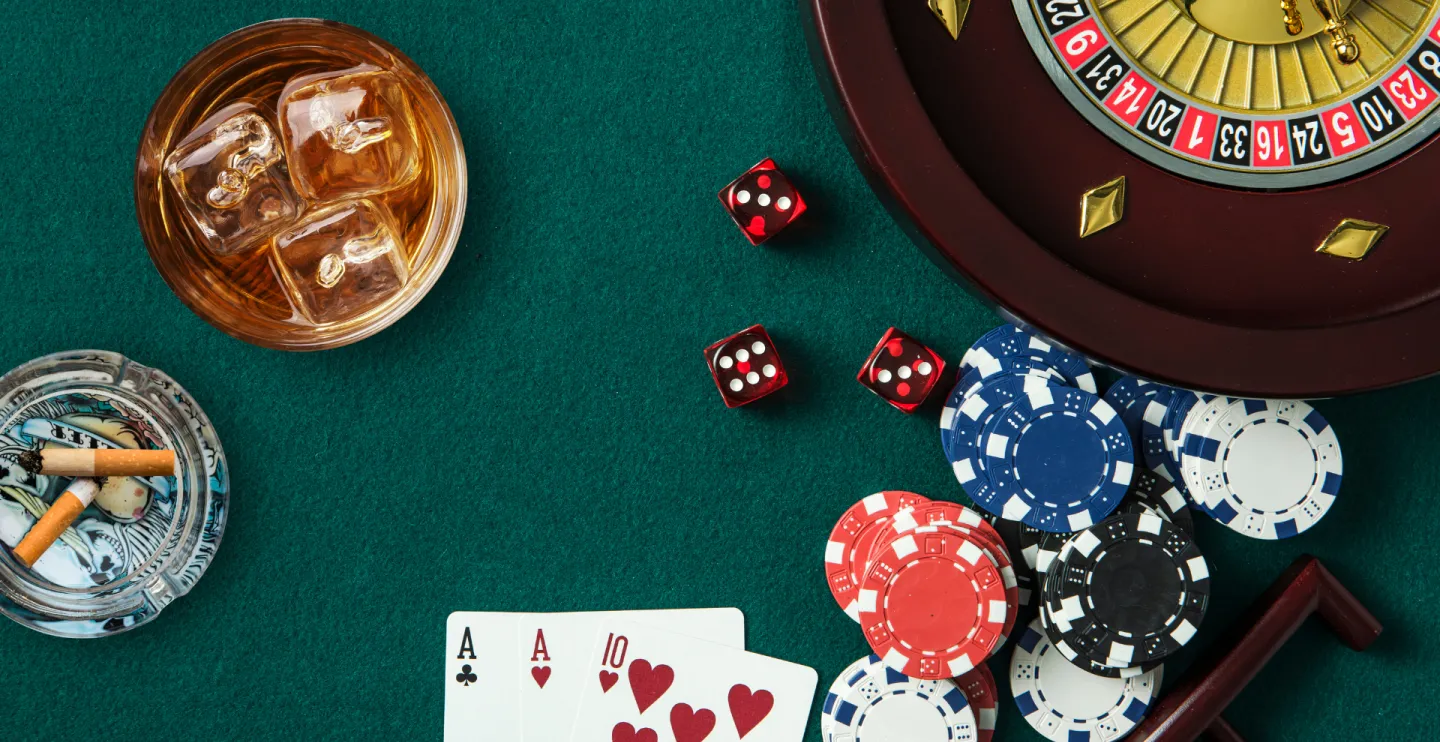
x: 745, y: 366
x: 901, y: 370
x: 762, y: 201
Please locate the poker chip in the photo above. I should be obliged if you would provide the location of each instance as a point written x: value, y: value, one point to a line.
x: 968, y: 361
x: 1022, y: 344
x: 1128, y: 591
x: 933, y: 605
x: 1083, y: 661
x: 1067, y: 704
x: 957, y: 396
x: 970, y: 523
x: 1155, y: 492
x: 984, y: 696
x: 1199, y: 419
x: 1128, y: 396
x: 1152, y: 436
x: 1058, y: 459
x: 872, y: 702
x: 1182, y: 401
x: 979, y: 408
x: 1039, y: 548
x: 1267, y: 469
x: 1009, y: 530
x: 847, y: 553
x: 852, y: 676
x: 969, y: 384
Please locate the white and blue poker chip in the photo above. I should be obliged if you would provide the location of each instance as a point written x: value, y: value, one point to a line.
x: 980, y: 407
x: 1067, y: 704
x: 1058, y: 459
x: 1152, y: 437
x: 871, y: 702
x: 1269, y: 469
x: 1009, y: 342
x: 968, y: 361
x: 1199, y: 418
x: 1182, y: 401
x: 1128, y: 396
x: 969, y: 383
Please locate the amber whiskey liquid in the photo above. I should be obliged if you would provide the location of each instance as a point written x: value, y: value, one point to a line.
x: 300, y: 184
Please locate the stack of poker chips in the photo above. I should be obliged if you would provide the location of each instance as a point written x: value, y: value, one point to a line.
x: 1268, y: 469
x: 933, y: 587
x: 1096, y: 495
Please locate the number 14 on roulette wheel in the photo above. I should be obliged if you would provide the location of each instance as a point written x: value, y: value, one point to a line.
x: 1232, y: 195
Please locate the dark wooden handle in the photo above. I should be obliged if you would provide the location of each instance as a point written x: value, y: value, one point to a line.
x: 1304, y: 588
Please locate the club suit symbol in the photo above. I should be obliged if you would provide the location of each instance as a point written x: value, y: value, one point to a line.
x: 466, y: 676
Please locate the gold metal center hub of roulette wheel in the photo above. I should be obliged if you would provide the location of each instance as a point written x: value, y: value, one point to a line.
x: 1267, y: 22
x: 1266, y: 94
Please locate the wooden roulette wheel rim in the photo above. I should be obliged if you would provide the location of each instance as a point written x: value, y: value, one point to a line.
x: 1277, y: 349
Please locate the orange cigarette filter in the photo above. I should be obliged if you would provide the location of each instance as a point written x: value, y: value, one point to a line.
x: 100, y: 462
x: 66, y: 509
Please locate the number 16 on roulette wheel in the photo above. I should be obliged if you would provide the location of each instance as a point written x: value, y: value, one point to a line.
x: 1229, y: 195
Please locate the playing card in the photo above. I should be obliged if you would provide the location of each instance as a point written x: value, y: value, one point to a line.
x: 489, y: 667
x: 482, y: 700
x: 648, y: 685
x: 555, y: 647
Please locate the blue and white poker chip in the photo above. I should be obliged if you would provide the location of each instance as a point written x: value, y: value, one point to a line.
x: 987, y: 401
x: 970, y: 382
x: 876, y: 703
x: 1199, y: 418
x: 1269, y: 469
x: 1182, y: 401
x: 851, y: 676
x: 1067, y: 704
x: 967, y: 361
x: 1019, y: 343
x: 1128, y: 396
x: 1058, y: 459
x: 1152, y: 437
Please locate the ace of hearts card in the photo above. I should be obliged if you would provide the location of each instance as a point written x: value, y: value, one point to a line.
x: 649, y: 685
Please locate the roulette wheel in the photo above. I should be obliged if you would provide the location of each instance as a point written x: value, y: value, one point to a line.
x: 1229, y: 195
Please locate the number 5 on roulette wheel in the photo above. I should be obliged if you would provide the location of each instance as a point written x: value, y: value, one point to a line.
x: 1221, y: 194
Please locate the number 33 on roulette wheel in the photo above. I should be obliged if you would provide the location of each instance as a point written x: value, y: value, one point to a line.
x: 1232, y: 195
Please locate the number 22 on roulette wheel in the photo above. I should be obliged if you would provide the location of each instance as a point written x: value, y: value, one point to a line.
x: 1233, y: 195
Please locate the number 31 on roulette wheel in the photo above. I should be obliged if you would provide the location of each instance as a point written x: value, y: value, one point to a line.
x: 1232, y: 195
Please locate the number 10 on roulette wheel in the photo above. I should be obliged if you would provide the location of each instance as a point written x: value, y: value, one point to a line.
x: 1220, y: 194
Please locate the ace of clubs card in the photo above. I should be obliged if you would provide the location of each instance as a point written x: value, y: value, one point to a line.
x: 648, y: 685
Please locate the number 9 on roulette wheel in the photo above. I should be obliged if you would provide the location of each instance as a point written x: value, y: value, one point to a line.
x: 1230, y: 195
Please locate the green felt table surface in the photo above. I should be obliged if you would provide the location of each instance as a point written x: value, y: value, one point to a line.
x: 541, y: 432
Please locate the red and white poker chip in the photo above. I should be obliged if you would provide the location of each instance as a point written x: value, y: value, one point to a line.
x: 847, y: 553
x: 933, y: 604
x: 984, y: 697
x: 970, y: 522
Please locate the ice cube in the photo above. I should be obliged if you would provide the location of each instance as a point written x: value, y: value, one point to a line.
x: 341, y: 260
x: 348, y: 134
x: 229, y: 173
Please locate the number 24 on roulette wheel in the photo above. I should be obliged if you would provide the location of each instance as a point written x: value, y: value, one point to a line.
x: 1233, y: 195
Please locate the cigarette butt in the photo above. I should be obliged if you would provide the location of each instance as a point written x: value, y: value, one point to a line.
x: 66, y: 509
x: 99, y: 462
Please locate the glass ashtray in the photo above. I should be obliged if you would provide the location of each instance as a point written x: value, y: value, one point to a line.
x: 145, y: 541
x: 300, y: 184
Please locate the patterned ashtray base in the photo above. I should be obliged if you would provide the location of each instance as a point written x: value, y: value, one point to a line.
x: 145, y: 541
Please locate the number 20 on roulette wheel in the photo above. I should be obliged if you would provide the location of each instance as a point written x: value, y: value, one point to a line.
x: 1233, y: 195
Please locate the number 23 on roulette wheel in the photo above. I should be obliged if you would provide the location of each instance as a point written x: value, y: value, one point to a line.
x: 1233, y: 195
